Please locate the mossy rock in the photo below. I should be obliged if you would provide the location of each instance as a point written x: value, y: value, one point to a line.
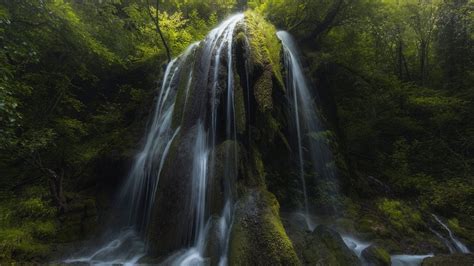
x: 263, y: 91
x: 325, y: 246
x: 258, y: 236
x: 265, y: 47
x: 450, y: 260
x: 213, y: 247
x: 18, y: 245
x: 184, y: 86
x: 228, y: 149
x: 265, y: 55
x: 168, y: 230
x: 376, y: 256
x: 463, y: 230
x: 402, y: 217
x: 252, y: 169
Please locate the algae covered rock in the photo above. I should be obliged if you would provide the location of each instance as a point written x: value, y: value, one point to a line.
x: 258, y: 236
x: 325, y: 246
x: 449, y: 260
x: 376, y: 256
x: 223, y: 174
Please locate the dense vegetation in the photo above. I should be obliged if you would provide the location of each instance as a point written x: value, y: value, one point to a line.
x: 77, y: 81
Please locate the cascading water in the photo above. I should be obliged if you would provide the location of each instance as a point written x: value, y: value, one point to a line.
x: 453, y: 244
x: 355, y: 245
x: 140, y: 188
x: 408, y: 260
x: 306, y: 122
x: 173, y: 211
x: 445, y: 241
x: 195, y: 254
x: 216, y: 49
x: 456, y: 243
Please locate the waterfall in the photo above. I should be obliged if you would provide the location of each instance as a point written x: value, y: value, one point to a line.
x: 456, y: 243
x: 126, y: 246
x: 231, y: 132
x: 306, y: 122
x: 195, y: 254
x: 445, y: 241
x: 191, y: 144
x: 355, y: 245
x: 217, y: 49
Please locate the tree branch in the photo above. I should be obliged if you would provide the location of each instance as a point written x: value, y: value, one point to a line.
x: 156, y: 20
x: 328, y: 20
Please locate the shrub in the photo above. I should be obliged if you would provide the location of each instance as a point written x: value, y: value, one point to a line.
x: 400, y: 215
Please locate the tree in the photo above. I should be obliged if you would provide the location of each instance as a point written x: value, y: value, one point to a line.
x: 423, y: 20
x: 156, y: 20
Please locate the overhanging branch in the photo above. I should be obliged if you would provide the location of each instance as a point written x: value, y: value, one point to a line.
x: 156, y: 21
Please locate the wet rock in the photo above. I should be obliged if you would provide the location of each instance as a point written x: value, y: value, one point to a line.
x: 325, y: 246
x: 376, y: 256
x: 296, y: 228
x: 169, y: 230
x: 449, y: 260
x: 258, y: 236
x: 224, y: 174
x: 213, y: 248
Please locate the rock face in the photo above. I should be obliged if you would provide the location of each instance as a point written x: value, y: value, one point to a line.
x: 325, y: 246
x: 237, y: 96
x: 258, y: 236
x: 376, y: 256
x: 170, y: 221
x: 450, y: 260
x: 232, y: 85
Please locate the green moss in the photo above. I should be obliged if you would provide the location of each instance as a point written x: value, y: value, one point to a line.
x: 240, y: 115
x: 27, y: 226
x: 259, y: 166
x: 375, y: 255
x: 18, y: 245
x: 372, y: 225
x: 42, y: 230
x: 265, y: 46
x: 265, y: 55
x: 34, y: 208
x: 258, y: 236
x: 453, y: 223
x: 462, y: 230
x: 383, y: 255
x: 263, y: 92
x: 325, y: 246
x: 400, y: 215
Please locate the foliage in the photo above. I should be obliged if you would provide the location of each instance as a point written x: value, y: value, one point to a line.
x: 394, y: 78
x: 402, y: 217
x: 76, y: 82
x: 27, y: 225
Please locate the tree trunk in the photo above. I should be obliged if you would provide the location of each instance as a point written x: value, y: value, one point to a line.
x: 400, y: 59
x: 327, y: 22
x: 423, y: 49
x: 56, y: 189
x: 156, y: 20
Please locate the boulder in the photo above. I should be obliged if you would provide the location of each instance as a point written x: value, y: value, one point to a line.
x: 376, y: 256
x: 325, y: 246
x: 258, y: 236
x: 449, y: 260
